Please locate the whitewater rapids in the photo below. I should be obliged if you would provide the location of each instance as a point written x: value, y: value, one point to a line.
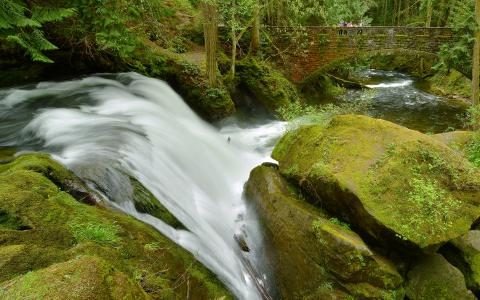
x: 110, y: 127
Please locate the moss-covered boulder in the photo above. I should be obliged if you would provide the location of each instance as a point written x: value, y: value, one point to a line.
x: 435, y: 279
x: 48, y: 228
x: 267, y: 85
x: 85, y: 278
x: 315, y: 257
x: 452, y: 84
x: 464, y: 253
x: 393, y: 184
x: 457, y: 140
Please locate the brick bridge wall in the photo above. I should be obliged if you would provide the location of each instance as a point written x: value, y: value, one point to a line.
x: 302, y: 51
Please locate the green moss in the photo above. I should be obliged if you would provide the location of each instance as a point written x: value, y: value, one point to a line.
x: 63, y: 228
x: 188, y: 79
x: 464, y: 253
x: 145, y: 202
x: 319, y: 88
x: 453, y: 84
x: 344, y: 225
x: 268, y: 86
x: 80, y: 278
x: 6, y: 155
x: 7, y: 253
x: 434, y: 278
x: 98, y: 233
x: 11, y: 221
x: 383, y: 179
x: 305, y: 242
x: 456, y: 140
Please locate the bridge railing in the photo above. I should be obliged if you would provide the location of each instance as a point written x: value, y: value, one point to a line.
x: 368, y: 30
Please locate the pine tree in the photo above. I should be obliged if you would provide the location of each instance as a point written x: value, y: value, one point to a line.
x: 23, y: 27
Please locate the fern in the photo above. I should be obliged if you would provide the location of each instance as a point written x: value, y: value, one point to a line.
x: 458, y: 54
x: 48, y: 14
x: 18, y: 28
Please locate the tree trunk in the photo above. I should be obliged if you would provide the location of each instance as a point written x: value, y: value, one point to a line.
x: 210, y: 28
x: 399, y: 12
x: 385, y: 10
x: 407, y: 12
x: 255, y: 42
x: 476, y: 57
x: 428, y: 22
x: 394, y: 12
x: 441, y: 15
x: 234, y: 44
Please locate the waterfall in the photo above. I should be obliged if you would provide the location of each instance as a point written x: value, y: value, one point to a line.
x: 108, y: 128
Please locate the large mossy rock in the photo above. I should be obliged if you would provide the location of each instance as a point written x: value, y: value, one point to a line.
x: 393, y: 184
x: 44, y: 226
x: 88, y: 278
x: 435, y: 279
x: 267, y: 85
x: 451, y: 84
x: 314, y: 258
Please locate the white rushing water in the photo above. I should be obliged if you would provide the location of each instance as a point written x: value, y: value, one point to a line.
x: 109, y: 127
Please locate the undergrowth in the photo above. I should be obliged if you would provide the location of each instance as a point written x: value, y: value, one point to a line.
x: 95, y: 232
x: 472, y: 122
x: 302, y: 114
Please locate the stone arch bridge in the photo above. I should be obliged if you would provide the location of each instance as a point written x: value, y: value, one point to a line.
x: 302, y: 51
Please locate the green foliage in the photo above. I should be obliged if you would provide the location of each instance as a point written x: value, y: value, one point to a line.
x: 104, y: 24
x: 473, y: 150
x: 472, y: 118
x: 95, y: 232
x: 23, y: 26
x: 104, y: 236
x: 10, y: 221
x: 236, y: 14
x: 458, y: 54
x: 342, y: 224
x: 434, y: 208
x: 300, y: 114
x: 304, y: 12
x: 294, y: 110
x: 354, y: 11
x: 472, y: 121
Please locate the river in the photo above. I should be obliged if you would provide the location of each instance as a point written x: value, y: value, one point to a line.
x: 107, y: 128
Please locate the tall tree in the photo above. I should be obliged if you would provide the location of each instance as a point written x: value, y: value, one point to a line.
x: 428, y: 21
x: 238, y: 17
x: 210, y: 15
x: 255, y: 41
x: 476, y: 56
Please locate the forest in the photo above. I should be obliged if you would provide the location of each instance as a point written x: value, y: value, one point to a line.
x: 240, y: 149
